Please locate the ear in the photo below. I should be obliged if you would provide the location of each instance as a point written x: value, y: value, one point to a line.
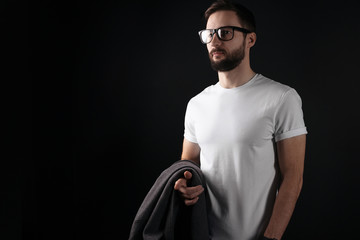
x: 251, y: 39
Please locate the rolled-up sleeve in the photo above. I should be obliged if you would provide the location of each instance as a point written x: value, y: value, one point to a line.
x: 189, y: 132
x: 289, y: 119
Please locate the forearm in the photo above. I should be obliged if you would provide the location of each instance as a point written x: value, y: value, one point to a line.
x: 284, y: 206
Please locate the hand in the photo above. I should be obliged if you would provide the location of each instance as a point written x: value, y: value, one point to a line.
x: 189, y: 194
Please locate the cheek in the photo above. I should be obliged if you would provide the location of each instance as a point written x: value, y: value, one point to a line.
x: 208, y: 47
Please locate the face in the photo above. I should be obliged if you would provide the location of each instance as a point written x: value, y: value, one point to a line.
x: 225, y: 55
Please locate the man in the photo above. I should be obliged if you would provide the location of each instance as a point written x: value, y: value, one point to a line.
x: 247, y: 132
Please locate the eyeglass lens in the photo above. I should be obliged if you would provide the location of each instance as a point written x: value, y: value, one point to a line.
x: 222, y: 33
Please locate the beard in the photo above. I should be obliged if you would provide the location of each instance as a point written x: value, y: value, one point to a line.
x: 229, y: 62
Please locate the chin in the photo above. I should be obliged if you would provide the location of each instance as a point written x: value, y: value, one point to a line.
x: 217, y: 59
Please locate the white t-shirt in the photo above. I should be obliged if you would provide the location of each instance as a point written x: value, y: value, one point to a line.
x: 236, y: 130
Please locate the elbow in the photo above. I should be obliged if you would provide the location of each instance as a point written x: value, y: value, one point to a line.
x: 293, y: 184
x: 300, y: 185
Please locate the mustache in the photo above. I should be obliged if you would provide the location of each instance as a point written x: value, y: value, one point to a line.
x: 217, y: 50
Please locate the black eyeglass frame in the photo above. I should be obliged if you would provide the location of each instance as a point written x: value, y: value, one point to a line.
x: 244, y: 30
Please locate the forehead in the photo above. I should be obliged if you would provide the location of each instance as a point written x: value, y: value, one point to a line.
x: 223, y: 18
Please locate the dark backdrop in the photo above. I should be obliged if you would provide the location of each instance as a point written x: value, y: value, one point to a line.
x: 110, y: 84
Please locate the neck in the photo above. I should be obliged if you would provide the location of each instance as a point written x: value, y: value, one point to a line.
x: 236, y: 77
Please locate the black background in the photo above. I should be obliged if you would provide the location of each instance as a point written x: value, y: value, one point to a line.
x: 110, y: 83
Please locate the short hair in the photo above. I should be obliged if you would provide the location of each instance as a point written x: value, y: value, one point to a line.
x: 246, y: 17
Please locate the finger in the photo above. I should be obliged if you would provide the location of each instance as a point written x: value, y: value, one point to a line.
x: 180, y: 183
x: 191, y: 202
x: 191, y: 192
x: 187, y: 175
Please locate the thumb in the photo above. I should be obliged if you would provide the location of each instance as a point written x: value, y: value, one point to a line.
x: 187, y: 175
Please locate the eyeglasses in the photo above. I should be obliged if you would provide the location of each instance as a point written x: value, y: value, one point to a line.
x: 224, y: 33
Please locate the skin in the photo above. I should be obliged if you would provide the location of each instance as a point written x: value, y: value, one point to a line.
x: 291, y: 151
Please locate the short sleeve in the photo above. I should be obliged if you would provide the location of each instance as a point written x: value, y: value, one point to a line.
x: 289, y: 120
x: 189, y: 132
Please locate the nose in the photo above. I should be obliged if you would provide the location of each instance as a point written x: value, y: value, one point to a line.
x: 215, y: 40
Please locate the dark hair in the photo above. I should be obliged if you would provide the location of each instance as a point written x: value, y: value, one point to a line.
x: 246, y: 17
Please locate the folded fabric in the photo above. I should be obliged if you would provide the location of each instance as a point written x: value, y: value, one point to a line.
x: 163, y: 214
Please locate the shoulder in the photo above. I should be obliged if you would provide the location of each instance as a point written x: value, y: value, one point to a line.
x: 272, y: 89
x: 271, y: 85
x: 204, y: 95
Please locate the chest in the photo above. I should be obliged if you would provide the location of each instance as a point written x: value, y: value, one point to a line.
x: 234, y: 119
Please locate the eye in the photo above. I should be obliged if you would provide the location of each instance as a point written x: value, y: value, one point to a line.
x: 225, y: 33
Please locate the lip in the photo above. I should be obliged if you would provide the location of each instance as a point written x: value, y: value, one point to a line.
x: 217, y: 53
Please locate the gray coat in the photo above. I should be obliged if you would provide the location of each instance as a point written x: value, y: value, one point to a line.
x: 163, y: 214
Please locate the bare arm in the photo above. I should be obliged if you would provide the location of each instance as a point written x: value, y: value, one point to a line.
x: 191, y: 151
x: 291, y: 154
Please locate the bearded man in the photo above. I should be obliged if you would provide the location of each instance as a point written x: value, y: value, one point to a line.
x: 246, y: 132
